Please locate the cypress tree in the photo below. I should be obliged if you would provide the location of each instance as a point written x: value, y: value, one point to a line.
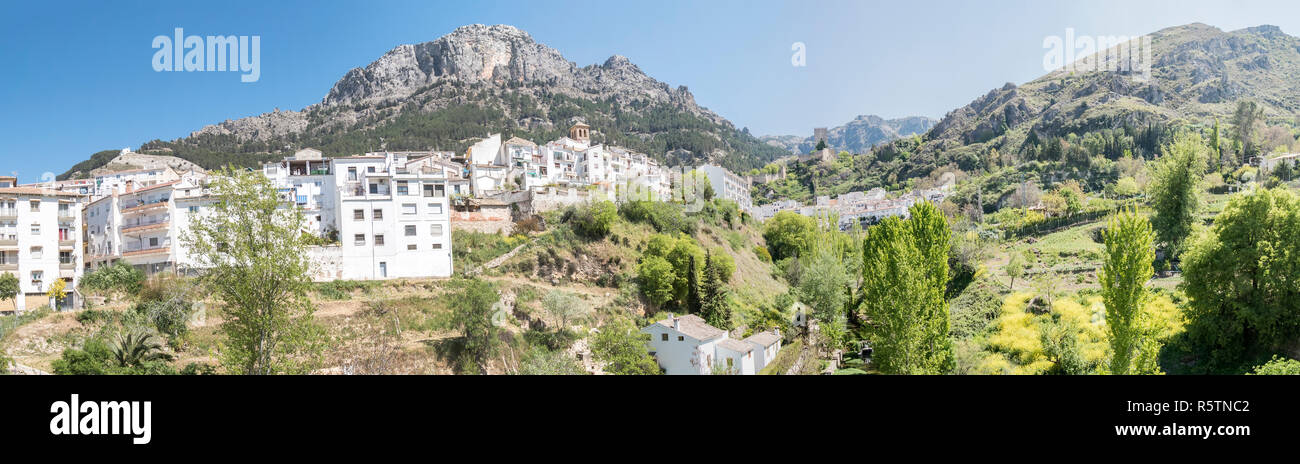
x: 692, y: 288
x: 713, y: 296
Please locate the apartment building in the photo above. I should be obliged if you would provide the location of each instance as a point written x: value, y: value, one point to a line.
x: 307, y: 180
x: 729, y: 186
x: 394, y: 222
x: 40, y: 243
x: 144, y: 226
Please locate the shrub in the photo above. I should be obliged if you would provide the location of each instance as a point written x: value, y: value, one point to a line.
x: 1278, y: 366
x: 529, y: 225
x: 91, y: 316
x: 664, y: 217
x: 593, y: 220
x: 118, y: 277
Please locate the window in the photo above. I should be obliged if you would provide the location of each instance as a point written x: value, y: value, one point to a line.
x: 435, y: 190
x: 437, y: 246
x: 358, y: 215
x: 374, y: 189
x: 36, y: 205
x: 379, y: 240
x: 379, y: 214
x: 383, y: 269
x: 408, y: 209
x: 36, y: 229
x: 410, y: 231
x: 194, y: 210
x: 729, y: 362
x: 412, y: 247
x: 38, y: 252
x: 352, y: 174
x: 38, y: 278
x: 302, y: 200
x: 663, y: 336
x: 65, y: 257
x: 435, y: 208
x: 681, y: 338
x: 436, y: 230
x: 370, y: 169
x: 359, y: 239
x: 153, y: 242
x: 402, y: 188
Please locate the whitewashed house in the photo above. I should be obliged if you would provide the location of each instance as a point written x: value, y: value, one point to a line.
x: 686, y: 345
x: 392, y: 222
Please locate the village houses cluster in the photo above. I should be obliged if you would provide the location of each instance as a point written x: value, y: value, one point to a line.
x: 384, y: 215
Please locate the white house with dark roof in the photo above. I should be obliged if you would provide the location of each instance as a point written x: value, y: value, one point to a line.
x: 686, y: 345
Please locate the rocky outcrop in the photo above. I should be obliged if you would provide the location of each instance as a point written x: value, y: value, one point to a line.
x: 495, y: 57
x: 128, y: 161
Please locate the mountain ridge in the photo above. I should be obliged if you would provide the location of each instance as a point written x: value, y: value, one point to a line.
x: 478, y: 79
x: 857, y: 136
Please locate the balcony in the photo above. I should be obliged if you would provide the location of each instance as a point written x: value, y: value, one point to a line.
x: 9, y: 242
x: 145, y: 207
x: 8, y: 214
x: 145, y: 224
x: 68, y: 244
x: 140, y: 251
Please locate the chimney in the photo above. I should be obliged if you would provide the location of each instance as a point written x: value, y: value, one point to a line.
x: 130, y: 186
x: 677, y: 321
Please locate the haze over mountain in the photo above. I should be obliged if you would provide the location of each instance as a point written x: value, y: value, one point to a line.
x: 477, y: 80
x: 856, y: 136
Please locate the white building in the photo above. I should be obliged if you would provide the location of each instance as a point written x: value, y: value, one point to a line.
x: 686, y: 345
x: 393, y: 222
x: 122, y: 181
x: 1269, y: 163
x: 307, y: 180
x: 144, y: 226
x: 40, y: 243
x: 728, y: 186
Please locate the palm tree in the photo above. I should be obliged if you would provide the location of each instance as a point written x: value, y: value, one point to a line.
x: 137, y: 346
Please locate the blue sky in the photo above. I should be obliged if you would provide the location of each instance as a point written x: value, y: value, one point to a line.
x: 78, y: 77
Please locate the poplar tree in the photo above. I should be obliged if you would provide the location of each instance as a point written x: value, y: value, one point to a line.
x: 1124, y: 274
x: 905, y: 273
x: 1175, y: 189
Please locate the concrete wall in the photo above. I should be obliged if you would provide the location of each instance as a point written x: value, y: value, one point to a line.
x: 326, y: 262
